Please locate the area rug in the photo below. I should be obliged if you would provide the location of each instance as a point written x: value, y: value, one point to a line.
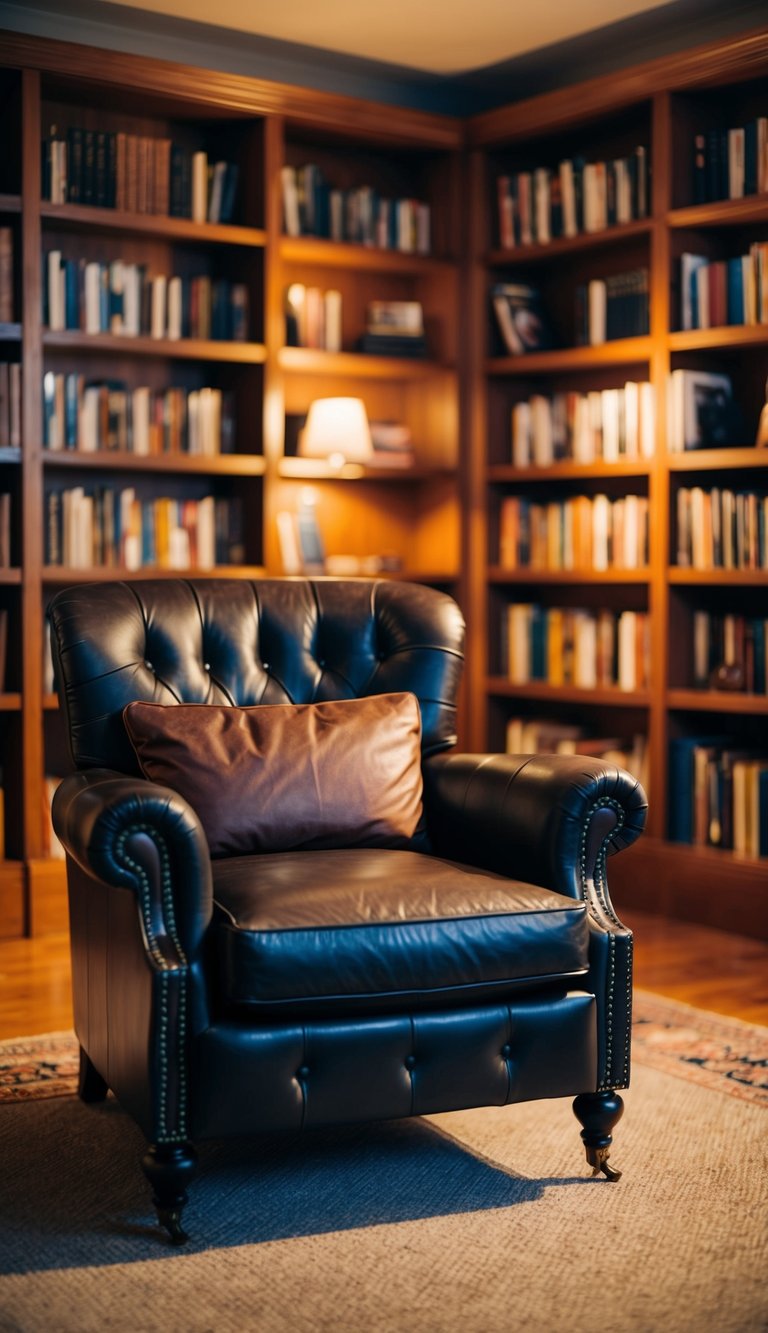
x: 471, y: 1222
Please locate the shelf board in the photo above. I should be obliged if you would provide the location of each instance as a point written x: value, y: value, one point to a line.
x: 57, y: 574
x: 10, y: 333
x: 10, y: 203
x: 344, y: 254
x: 311, y: 469
x: 12, y: 575
x: 84, y: 216
x: 621, y: 351
x: 623, y: 467
x: 358, y: 365
x: 744, y: 578
x: 10, y: 702
x: 589, y: 576
x: 728, y: 335
x: 704, y: 460
x: 723, y: 213
x: 50, y: 702
x: 718, y: 701
x: 569, y: 245
x: 239, y: 465
x: 195, y: 349
x: 603, y: 695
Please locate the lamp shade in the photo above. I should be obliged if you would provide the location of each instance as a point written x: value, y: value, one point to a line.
x: 337, y: 427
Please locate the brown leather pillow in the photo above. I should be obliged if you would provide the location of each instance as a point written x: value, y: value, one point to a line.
x: 344, y: 773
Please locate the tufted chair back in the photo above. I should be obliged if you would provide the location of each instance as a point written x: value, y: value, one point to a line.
x: 272, y: 641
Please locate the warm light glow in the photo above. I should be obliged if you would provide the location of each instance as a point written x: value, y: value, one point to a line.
x: 337, y: 430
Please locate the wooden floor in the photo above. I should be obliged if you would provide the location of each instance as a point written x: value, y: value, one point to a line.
x: 703, y: 967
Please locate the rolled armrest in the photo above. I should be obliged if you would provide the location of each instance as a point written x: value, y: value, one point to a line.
x: 544, y: 819
x: 135, y: 834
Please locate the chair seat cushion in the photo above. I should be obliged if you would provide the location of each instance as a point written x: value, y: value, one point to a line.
x: 367, y: 928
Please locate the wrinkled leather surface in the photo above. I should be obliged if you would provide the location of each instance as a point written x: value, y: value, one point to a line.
x: 290, y: 1075
x: 354, y: 927
x: 230, y: 641
x: 346, y: 772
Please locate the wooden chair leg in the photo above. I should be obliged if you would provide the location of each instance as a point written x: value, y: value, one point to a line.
x: 169, y: 1167
x: 91, y: 1087
x: 598, y: 1112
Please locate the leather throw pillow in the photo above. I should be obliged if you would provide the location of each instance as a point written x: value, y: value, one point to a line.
x: 343, y: 773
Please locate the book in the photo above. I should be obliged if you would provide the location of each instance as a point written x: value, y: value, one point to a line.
x: 520, y: 318
x: 702, y: 413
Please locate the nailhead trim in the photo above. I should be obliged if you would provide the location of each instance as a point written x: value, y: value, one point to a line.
x: 167, y: 976
x: 597, y: 886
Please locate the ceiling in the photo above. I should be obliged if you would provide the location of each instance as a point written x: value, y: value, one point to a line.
x: 446, y: 37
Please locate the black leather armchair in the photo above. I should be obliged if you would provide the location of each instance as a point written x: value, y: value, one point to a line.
x: 479, y: 966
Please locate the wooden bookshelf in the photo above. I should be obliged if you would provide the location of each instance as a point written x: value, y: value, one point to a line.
x: 660, y: 104
x: 410, y: 516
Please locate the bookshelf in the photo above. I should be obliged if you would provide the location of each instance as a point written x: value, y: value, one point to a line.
x: 681, y: 109
x: 164, y: 437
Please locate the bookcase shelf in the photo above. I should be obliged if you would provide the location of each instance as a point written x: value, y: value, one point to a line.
x: 83, y: 217
x: 225, y: 465
x: 193, y: 349
x: 91, y: 102
x: 539, y: 690
x: 565, y: 246
x: 620, y: 352
x: 567, y: 576
x: 707, y: 90
x: 704, y: 701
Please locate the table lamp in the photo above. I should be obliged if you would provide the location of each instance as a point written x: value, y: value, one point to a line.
x: 337, y: 430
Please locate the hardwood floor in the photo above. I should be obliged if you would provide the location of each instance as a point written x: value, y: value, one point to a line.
x: 703, y: 967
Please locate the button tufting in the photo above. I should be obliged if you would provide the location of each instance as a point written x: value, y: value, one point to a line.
x: 321, y: 661
x: 265, y: 666
x: 303, y: 1073
x: 506, y: 1050
x: 149, y: 666
x: 206, y: 666
x: 410, y: 1061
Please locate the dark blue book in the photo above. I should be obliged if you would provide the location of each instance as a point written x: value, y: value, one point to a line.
x: 762, y: 808
x: 88, y: 193
x: 229, y: 192
x: 74, y: 165
x: 750, y: 157
x: 71, y: 409
x: 539, y: 629
x: 735, y: 291
x: 759, y: 642
x: 680, y: 796
x: 71, y: 294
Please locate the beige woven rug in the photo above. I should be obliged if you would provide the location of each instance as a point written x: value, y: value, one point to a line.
x: 473, y: 1222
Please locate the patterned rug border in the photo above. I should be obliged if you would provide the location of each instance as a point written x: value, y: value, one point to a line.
x: 712, y: 1050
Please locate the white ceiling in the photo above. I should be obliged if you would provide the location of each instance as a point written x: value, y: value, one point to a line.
x: 438, y: 36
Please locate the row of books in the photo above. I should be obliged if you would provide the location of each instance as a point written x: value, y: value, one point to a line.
x: 312, y: 207
x: 612, y: 307
x: 89, y: 415
x: 313, y: 317
x: 573, y: 646
x: 126, y: 300
x: 539, y: 206
x: 6, y: 276
x: 730, y: 163
x: 730, y: 649
x: 117, y: 529
x: 10, y: 405
x: 721, y: 528
x: 718, y: 794
x: 582, y: 532
x: 137, y: 174
x: 719, y: 292
x: 526, y: 735
x: 603, y: 425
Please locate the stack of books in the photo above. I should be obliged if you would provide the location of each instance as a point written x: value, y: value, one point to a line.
x: 394, y: 328
x: 362, y: 215
x: 536, y: 207
x: 572, y: 646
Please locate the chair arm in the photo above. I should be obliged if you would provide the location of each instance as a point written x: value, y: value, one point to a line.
x: 130, y: 833
x: 545, y: 819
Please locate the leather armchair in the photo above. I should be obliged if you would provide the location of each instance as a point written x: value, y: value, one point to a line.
x: 485, y: 966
